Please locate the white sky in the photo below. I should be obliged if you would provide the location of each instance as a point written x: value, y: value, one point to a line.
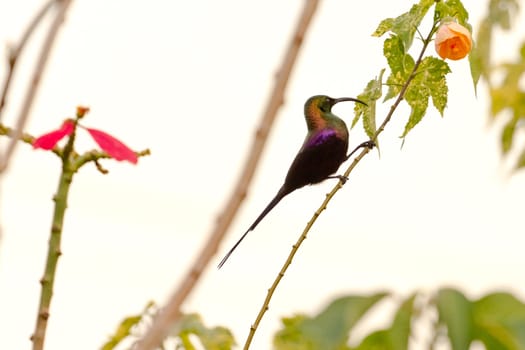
x: 189, y: 81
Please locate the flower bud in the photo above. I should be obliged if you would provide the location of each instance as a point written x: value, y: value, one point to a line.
x: 453, y: 41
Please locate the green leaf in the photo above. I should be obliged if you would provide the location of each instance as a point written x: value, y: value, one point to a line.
x: 502, y: 11
x: 479, y: 57
x: 405, y: 25
x: 499, y: 100
x: 455, y: 311
x: 455, y: 9
x: 396, y: 337
x: 395, y: 82
x: 126, y: 326
x: 370, y: 95
x: 394, y: 52
x: 383, y: 27
x: 509, y: 93
x: 401, y: 65
x: 291, y: 336
x: 417, y: 97
x: 329, y: 329
x: 432, y: 73
x: 429, y: 82
x: 521, y: 160
x: 508, y: 134
x: 378, y: 340
x: 499, y: 319
x: 400, y: 330
x: 122, y: 332
x: 216, y: 338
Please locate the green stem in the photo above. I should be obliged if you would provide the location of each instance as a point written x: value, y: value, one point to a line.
x: 53, y: 253
x: 329, y: 196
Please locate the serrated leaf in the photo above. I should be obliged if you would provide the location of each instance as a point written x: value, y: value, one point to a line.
x: 329, y: 329
x: 499, y: 319
x: 383, y: 27
x: 405, y: 25
x: 452, y: 8
x: 394, y: 53
x: 395, y: 83
x: 400, y: 64
x: 429, y: 82
x: 455, y: 311
x: 418, y: 101
x: 370, y: 95
x: 432, y: 72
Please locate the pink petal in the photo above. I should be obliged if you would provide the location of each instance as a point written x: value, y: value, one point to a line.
x: 48, y: 141
x: 116, y: 149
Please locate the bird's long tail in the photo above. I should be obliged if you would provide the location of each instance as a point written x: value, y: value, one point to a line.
x: 280, y: 195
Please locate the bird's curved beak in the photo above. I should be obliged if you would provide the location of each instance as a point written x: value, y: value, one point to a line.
x: 342, y: 99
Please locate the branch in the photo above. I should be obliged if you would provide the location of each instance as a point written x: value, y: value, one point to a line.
x: 171, y: 312
x: 329, y: 196
x: 15, y: 53
x: 35, y: 81
x: 53, y: 253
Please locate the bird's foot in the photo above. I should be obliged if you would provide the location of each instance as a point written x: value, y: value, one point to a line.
x: 341, y: 178
x: 368, y: 144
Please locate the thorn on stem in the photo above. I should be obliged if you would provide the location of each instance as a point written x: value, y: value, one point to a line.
x: 100, y: 168
x: 44, y: 314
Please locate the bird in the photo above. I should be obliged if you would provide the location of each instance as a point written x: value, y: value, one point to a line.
x: 322, y: 153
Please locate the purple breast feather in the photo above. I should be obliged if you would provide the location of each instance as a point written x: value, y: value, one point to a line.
x: 321, y: 137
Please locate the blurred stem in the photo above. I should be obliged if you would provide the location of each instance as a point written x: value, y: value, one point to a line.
x: 71, y: 162
x: 329, y: 196
x: 171, y: 312
x: 62, y: 7
x: 14, y: 53
x: 54, y: 252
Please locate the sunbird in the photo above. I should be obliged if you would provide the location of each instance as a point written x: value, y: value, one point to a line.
x: 322, y: 153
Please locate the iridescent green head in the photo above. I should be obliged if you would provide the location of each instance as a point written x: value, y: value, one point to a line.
x: 319, y: 107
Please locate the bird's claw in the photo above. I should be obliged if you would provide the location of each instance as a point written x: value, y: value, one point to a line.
x: 368, y: 144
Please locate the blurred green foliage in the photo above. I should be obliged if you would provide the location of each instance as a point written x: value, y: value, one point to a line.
x: 496, y: 320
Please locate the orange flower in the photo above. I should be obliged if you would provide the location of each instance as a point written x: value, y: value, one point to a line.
x: 453, y: 41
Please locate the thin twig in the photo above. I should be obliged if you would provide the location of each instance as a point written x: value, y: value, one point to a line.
x: 294, y: 250
x: 35, y: 81
x: 171, y: 312
x: 14, y: 53
x: 329, y: 196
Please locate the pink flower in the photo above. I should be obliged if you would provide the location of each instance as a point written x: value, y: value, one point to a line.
x: 109, y: 144
x: 48, y: 141
x: 116, y: 149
